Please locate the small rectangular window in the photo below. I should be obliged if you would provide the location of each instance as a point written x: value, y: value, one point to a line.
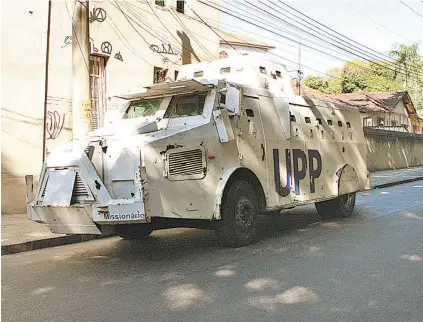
x: 292, y: 118
x: 249, y: 112
x: 330, y: 122
x: 160, y: 3
x: 339, y: 123
x: 225, y: 70
x: 159, y: 75
x: 278, y: 74
x: 198, y: 74
x: 367, y: 122
x: 348, y: 124
x: 176, y: 74
x: 180, y: 6
x: 307, y: 119
x: 319, y: 120
x: 222, y: 99
x: 263, y: 70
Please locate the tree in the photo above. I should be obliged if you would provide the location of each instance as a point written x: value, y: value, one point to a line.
x: 405, y: 73
x: 409, y: 71
x: 408, y: 65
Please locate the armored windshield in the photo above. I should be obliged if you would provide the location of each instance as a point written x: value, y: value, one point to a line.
x: 186, y: 105
x: 143, y: 108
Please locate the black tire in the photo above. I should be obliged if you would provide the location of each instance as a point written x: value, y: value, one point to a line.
x: 134, y: 232
x: 240, y: 214
x: 342, y: 206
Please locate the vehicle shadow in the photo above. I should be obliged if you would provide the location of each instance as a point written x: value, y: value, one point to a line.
x: 170, y: 245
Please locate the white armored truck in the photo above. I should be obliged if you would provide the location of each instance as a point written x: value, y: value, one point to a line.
x: 225, y: 142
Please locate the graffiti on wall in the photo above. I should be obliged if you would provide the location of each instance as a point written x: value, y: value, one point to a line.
x: 54, y: 124
x: 163, y: 49
x: 98, y: 14
x: 106, y: 47
x: 118, y: 56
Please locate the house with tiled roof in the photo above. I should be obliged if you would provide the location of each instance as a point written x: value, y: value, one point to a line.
x: 385, y: 110
x: 234, y: 45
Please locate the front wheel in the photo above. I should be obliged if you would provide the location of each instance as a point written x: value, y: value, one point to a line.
x: 239, y: 210
x: 134, y: 232
x: 342, y: 206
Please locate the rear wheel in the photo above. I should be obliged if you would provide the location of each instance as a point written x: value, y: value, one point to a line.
x: 134, y: 232
x: 342, y: 206
x: 239, y: 210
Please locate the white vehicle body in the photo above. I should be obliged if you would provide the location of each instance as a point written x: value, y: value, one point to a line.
x: 177, y: 162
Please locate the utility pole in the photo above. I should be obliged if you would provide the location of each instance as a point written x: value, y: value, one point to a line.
x: 81, y: 104
x: 299, y: 68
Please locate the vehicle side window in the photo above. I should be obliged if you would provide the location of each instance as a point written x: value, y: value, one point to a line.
x: 142, y: 108
x: 186, y: 105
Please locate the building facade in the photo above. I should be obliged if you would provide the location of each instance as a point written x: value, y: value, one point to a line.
x: 132, y: 43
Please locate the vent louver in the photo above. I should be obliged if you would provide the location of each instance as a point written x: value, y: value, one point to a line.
x: 79, y: 193
x: 188, y: 164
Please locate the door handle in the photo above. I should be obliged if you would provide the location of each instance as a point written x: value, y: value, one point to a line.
x: 263, y: 152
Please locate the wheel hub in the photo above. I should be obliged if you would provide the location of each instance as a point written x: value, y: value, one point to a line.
x: 244, y: 214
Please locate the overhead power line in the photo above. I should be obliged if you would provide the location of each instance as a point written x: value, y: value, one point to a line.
x: 251, y: 21
x: 384, y: 27
x: 175, y: 16
x: 157, y: 33
x: 210, y: 27
x: 129, y: 19
x: 332, y: 30
x: 411, y: 8
x: 320, y: 37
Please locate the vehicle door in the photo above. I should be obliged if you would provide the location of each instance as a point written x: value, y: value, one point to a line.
x: 250, y: 136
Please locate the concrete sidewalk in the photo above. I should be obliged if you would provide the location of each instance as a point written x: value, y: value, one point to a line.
x: 19, y: 234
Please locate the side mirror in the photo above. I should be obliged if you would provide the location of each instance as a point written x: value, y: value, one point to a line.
x: 232, y: 100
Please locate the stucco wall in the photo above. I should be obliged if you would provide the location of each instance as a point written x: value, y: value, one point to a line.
x: 393, y: 150
x: 23, y: 56
x: 130, y: 66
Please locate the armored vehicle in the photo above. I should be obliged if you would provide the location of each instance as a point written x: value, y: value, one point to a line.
x: 225, y: 142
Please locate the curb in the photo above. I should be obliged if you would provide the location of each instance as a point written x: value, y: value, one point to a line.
x: 46, y: 243
x: 390, y: 184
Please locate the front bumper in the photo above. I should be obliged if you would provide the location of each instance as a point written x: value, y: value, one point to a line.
x: 72, y: 199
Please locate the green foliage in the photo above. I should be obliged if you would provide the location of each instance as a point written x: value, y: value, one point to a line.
x: 408, y: 65
x: 405, y: 73
x: 416, y: 95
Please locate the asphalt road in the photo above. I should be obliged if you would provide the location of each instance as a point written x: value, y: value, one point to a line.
x: 365, y: 268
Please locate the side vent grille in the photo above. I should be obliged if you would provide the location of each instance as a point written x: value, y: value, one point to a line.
x: 44, y: 190
x: 79, y: 193
x: 184, y: 165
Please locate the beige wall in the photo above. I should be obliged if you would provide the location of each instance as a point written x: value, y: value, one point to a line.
x: 22, y: 87
x: 393, y: 150
x: 23, y: 61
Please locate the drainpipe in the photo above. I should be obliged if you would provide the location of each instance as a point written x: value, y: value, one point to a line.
x: 46, y: 81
